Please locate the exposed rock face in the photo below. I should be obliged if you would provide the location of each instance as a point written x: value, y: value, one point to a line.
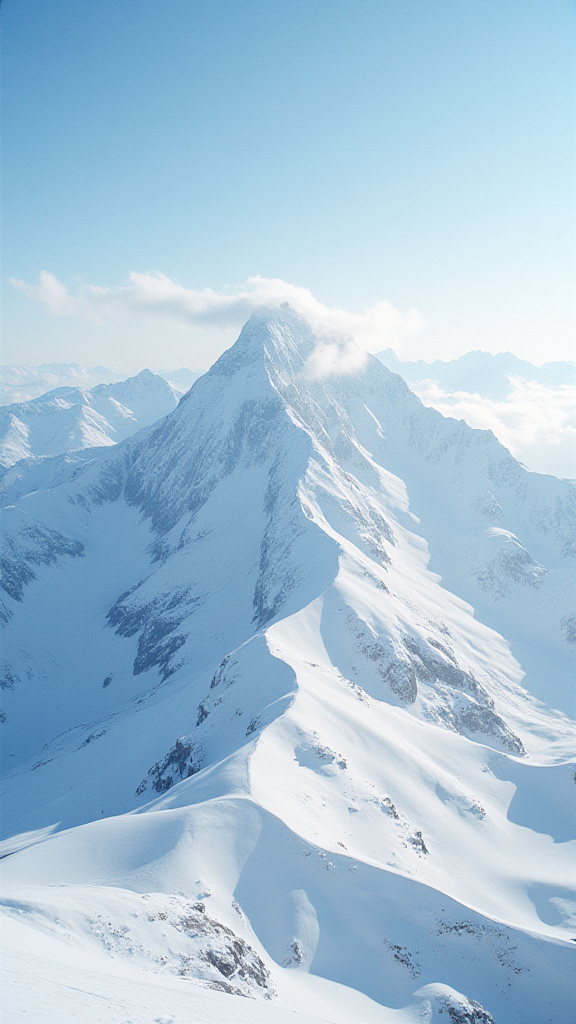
x: 27, y: 544
x: 182, y: 761
x: 467, y: 1011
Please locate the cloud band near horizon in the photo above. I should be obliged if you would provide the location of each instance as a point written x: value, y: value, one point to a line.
x: 157, y: 296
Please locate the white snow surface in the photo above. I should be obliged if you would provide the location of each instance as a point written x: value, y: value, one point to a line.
x: 288, y: 713
x: 71, y: 418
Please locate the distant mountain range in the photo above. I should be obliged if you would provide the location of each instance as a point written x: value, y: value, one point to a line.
x: 480, y: 373
x: 72, y: 418
x: 23, y: 383
x: 475, y: 372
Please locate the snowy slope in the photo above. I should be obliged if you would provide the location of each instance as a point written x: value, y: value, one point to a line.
x: 67, y: 419
x: 287, y: 708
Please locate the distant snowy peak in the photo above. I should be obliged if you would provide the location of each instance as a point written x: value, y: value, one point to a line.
x: 482, y: 373
x: 181, y: 379
x: 143, y: 394
x: 72, y: 418
x: 23, y: 383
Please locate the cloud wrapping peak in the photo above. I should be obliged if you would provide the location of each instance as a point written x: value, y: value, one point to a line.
x: 335, y: 355
x: 158, y: 296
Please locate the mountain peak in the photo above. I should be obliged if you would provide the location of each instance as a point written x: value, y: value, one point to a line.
x: 144, y: 375
x: 277, y: 333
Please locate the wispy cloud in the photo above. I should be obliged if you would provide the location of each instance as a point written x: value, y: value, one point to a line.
x: 536, y: 422
x: 154, y: 295
x: 336, y: 354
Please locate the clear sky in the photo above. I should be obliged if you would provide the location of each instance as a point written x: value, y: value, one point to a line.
x: 417, y: 152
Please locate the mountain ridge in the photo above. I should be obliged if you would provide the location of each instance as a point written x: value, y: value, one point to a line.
x: 480, y: 372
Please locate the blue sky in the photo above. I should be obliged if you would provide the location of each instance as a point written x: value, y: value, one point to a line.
x: 413, y: 152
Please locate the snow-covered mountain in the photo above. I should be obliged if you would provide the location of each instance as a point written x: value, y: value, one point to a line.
x: 287, y: 712
x: 68, y: 419
x: 482, y: 373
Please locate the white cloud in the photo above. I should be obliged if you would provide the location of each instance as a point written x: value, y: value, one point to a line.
x: 536, y: 422
x: 335, y: 355
x: 156, y: 296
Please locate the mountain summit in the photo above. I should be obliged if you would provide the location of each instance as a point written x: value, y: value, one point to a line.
x: 295, y: 721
